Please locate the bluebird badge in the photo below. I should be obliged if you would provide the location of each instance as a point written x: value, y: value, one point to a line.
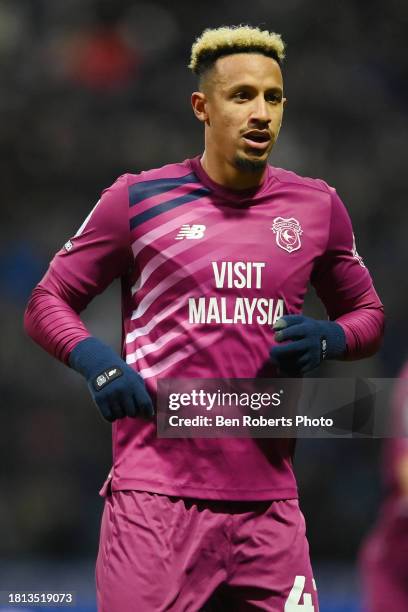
x: 288, y: 232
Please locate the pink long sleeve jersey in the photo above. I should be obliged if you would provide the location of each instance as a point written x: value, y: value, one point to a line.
x: 205, y: 273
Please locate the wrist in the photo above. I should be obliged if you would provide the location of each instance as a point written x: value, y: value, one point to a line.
x: 91, y: 356
x: 335, y: 338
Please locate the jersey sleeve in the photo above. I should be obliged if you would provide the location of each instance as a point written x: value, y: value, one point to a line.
x: 99, y: 252
x: 345, y: 287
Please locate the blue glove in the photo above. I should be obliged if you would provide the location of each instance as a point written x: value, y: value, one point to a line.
x: 116, y: 389
x: 311, y: 341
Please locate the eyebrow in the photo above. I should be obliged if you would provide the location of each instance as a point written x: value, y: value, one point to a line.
x: 244, y: 85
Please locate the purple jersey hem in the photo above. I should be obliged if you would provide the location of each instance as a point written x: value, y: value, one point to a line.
x: 133, y: 484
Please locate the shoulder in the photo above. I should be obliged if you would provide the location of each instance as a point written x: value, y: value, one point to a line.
x: 174, y: 171
x: 151, y: 183
x: 132, y: 187
x: 303, y: 182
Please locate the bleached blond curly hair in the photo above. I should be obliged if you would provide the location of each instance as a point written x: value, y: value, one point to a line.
x: 215, y: 43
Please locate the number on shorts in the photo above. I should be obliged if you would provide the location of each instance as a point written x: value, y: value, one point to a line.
x: 293, y: 601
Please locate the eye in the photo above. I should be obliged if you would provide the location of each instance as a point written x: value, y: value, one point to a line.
x: 241, y: 96
x: 273, y: 98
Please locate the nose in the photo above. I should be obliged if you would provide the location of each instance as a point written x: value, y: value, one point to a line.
x: 260, y: 112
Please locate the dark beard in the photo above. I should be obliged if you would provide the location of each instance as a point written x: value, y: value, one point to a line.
x: 250, y: 165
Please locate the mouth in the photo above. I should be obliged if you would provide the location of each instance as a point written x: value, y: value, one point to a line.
x: 257, y: 139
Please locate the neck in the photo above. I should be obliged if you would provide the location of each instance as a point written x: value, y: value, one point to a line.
x: 224, y: 173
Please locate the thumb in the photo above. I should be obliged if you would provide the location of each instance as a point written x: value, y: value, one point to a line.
x: 287, y: 321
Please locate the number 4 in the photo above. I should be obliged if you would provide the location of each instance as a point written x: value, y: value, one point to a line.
x: 293, y: 601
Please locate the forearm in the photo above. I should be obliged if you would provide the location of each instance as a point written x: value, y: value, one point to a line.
x: 117, y: 390
x: 52, y: 323
x: 364, y: 329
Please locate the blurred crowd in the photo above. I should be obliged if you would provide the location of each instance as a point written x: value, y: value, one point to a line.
x: 93, y: 89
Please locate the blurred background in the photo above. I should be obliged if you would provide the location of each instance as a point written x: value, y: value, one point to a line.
x: 92, y: 89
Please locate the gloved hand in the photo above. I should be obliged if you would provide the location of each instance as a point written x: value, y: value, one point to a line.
x: 116, y: 389
x: 311, y: 341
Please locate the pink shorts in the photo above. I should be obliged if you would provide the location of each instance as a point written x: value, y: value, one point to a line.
x: 160, y: 553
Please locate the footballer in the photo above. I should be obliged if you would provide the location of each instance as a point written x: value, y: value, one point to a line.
x: 214, y: 254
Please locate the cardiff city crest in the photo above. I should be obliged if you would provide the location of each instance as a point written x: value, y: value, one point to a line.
x: 288, y: 232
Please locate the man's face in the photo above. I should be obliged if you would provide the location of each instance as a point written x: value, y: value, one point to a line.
x: 244, y: 107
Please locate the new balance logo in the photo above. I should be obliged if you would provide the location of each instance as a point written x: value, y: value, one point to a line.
x: 191, y: 232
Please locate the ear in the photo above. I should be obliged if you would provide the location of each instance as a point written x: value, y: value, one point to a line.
x: 199, y: 104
